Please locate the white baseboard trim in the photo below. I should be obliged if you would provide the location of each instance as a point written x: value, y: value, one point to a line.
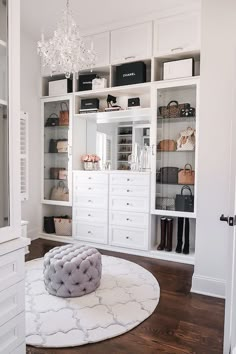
x: 33, y: 234
x: 208, y: 286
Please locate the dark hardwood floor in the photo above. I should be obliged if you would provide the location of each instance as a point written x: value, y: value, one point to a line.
x: 182, y: 323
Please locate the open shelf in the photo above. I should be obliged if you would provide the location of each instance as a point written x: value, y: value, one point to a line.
x: 56, y: 203
x: 173, y: 256
x: 139, y: 114
x: 3, y: 102
x: 173, y: 213
x: 176, y: 120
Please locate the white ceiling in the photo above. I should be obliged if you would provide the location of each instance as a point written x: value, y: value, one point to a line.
x: 42, y: 15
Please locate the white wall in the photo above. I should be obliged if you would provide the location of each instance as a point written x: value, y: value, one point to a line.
x: 216, y: 112
x: 30, y: 102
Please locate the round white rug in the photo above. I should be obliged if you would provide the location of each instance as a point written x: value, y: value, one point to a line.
x: 128, y: 294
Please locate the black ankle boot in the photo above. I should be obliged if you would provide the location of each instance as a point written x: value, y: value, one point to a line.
x: 162, y: 245
x: 180, y: 235
x: 169, y: 234
x: 186, y: 237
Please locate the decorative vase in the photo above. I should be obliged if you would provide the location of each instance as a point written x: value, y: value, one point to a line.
x: 88, y: 166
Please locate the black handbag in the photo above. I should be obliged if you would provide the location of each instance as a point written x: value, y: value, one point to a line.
x: 53, y: 146
x: 184, y: 202
x: 168, y: 175
x: 49, y: 225
x: 52, y: 121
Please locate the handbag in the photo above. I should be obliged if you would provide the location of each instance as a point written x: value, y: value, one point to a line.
x: 172, y: 111
x: 184, y: 202
x: 64, y: 115
x: 54, y: 172
x: 187, y: 112
x: 166, y: 145
x: 186, y: 176
x: 165, y: 203
x: 60, y: 192
x: 63, y: 174
x: 52, y: 121
x: 186, y: 141
x: 168, y: 175
x: 53, y: 146
x: 63, y: 226
x: 62, y: 145
x: 48, y: 224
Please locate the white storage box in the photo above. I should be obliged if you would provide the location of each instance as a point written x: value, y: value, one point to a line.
x: 63, y: 227
x: 178, y: 69
x: 60, y: 87
x: 98, y: 84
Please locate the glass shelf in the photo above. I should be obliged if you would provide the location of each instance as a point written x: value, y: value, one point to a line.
x: 176, y: 120
x: 188, y: 151
x: 57, y: 153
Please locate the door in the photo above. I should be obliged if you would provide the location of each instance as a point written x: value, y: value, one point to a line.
x: 177, y: 34
x: 100, y: 43
x: 230, y: 305
x: 131, y: 43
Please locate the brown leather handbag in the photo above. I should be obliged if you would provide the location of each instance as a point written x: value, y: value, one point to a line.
x: 166, y: 145
x: 186, y: 176
x: 64, y: 114
x: 173, y: 109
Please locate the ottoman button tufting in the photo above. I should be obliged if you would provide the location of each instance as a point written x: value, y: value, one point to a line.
x: 78, y: 258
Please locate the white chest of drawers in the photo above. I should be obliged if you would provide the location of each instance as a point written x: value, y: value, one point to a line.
x: 112, y: 208
x: 129, y: 217
x: 90, y: 206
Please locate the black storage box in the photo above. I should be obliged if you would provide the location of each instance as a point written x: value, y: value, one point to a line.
x: 85, y: 82
x: 131, y: 73
x: 89, y: 104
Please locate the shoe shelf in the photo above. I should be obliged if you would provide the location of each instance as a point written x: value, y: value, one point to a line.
x: 173, y: 213
x: 173, y: 256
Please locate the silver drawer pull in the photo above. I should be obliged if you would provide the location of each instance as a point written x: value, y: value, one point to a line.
x: 127, y: 219
x: 89, y: 188
x: 89, y: 215
x: 127, y: 203
x: 128, y: 190
x: 127, y: 237
x: 130, y: 57
x: 90, y: 178
x: 178, y: 48
x: 89, y: 232
x: 89, y: 201
x: 128, y: 179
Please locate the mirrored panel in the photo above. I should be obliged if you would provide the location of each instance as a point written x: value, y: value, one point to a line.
x: 4, y: 122
x: 120, y: 146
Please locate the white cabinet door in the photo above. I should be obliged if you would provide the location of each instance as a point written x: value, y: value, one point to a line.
x: 131, y: 43
x: 101, y: 45
x: 177, y: 34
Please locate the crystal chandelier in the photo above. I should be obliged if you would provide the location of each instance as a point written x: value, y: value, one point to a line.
x: 66, y: 52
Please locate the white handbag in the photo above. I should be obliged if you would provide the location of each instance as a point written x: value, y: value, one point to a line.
x: 63, y: 227
x: 186, y: 141
x: 98, y: 84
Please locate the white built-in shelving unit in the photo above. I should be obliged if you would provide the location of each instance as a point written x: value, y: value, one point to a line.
x: 161, y: 40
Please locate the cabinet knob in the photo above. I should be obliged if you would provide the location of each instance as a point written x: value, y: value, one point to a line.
x: 89, y: 188
x: 89, y: 232
x: 128, y: 190
x: 90, y: 178
x: 90, y: 201
x: 127, y: 203
x: 127, y: 219
x: 127, y: 237
x: 89, y: 215
x: 128, y: 179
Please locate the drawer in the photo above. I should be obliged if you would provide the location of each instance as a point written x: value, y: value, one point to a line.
x: 129, y: 204
x: 90, y: 215
x: 130, y: 179
x: 90, y: 201
x: 84, y: 177
x: 11, y: 268
x: 12, y: 334
x: 129, y: 238
x: 129, y: 219
x: 90, y: 232
x: 130, y: 191
x: 91, y: 189
x: 12, y: 302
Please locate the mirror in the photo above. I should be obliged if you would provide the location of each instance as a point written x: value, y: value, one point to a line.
x: 120, y: 146
x: 4, y: 122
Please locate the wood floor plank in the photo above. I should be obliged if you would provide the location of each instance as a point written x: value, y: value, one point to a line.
x: 183, y: 323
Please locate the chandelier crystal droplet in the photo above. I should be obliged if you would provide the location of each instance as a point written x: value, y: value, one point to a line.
x: 66, y: 51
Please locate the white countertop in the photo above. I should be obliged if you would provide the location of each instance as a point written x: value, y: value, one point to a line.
x: 13, y: 245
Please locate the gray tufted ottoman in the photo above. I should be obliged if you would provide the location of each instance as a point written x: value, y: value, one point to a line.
x: 72, y: 270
